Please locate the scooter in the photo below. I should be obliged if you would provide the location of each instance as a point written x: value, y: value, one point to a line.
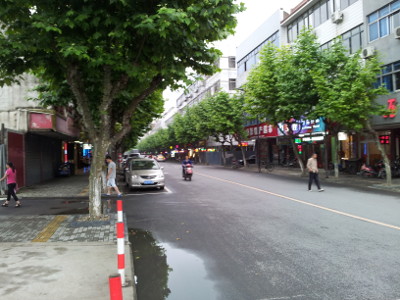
x: 188, y: 172
x: 377, y: 171
x: 368, y: 171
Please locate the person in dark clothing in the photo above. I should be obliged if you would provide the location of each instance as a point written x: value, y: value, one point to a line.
x: 186, y: 161
x: 11, y: 175
x: 312, y: 166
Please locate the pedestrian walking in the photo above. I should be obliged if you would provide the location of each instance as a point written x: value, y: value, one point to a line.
x: 111, y: 176
x: 312, y: 166
x: 11, y: 175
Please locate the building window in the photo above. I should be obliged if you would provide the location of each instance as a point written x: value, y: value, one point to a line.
x: 232, y: 62
x: 240, y: 67
x: 382, y: 22
x: 253, y: 57
x: 353, y: 39
x: 390, y: 77
x: 346, y: 3
x: 326, y: 45
x: 232, y: 84
x: 313, y: 17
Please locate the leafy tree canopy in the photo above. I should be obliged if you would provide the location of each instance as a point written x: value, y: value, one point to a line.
x: 112, y: 53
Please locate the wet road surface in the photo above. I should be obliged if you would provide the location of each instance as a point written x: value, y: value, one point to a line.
x: 233, y: 235
x: 237, y: 236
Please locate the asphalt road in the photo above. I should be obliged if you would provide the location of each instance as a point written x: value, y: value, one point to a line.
x: 260, y: 236
x: 234, y: 235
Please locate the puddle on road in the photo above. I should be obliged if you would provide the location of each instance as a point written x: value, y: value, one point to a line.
x: 164, y: 272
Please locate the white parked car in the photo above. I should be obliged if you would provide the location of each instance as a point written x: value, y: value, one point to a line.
x: 144, y: 173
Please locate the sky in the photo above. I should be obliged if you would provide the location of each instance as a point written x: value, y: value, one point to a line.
x: 256, y: 13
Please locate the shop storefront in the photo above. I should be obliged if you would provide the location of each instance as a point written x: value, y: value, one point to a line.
x: 309, y: 138
x: 388, y: 129
x: 265, y: 135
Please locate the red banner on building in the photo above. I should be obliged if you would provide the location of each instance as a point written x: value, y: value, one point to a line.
x: 262, y: 130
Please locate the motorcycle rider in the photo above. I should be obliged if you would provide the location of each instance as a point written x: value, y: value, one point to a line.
x: 186, y: 161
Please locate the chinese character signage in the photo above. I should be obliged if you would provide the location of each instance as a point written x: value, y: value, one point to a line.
x: 261, y: 130
x: 392, y: 107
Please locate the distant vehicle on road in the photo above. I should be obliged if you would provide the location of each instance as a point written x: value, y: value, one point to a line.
x: 144, y: 173
x: 160, y: 157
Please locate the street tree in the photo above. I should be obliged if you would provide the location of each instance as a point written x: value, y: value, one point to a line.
x: 113, y: 54
x: 225, y: 117
x: 281, y: 88
x: 345, y: 86
x: 147, y: 110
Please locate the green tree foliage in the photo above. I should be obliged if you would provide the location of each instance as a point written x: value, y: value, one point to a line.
x: 345, y: 86
x: 304, y: 82
x: 220, y: 116
x: 281, y: 87
x: 112, y: 53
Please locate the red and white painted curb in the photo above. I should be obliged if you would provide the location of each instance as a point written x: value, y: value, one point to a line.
x: 116, y: 282
x: 115, y: 285
x: 120, y: 217
x: 121, y: 241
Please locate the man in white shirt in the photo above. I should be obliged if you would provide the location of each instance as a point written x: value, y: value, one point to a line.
x: 312, y: 166
x: 111, y: 176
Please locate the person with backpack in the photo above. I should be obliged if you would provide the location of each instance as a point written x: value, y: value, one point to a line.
x: 11, y: 175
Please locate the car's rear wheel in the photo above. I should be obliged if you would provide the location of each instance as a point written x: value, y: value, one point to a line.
x: 162, y: 187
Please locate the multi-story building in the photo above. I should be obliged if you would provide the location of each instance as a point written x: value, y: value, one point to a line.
x: 248, y: 55
x: 382, y: 34
x: 248, y: 52
x: 329, y: 20
x: 372, y: 26
x: 33, y: 136
x: 224, y: 80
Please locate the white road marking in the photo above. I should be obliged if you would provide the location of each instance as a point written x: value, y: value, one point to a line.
x: 305, y: 203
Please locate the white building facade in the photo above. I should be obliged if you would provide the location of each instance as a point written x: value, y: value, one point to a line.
x: 371, y: 26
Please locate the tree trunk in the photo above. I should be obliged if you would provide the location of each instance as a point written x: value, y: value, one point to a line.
x: 243, y: 156
x: 95, y: 179
x: 335, y: 154
x: 223, y: 155
x: 383, y: 153
x: 296, y: 154
x: 326, y: 162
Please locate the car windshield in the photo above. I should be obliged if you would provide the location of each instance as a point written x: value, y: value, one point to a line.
x: 144, y: 165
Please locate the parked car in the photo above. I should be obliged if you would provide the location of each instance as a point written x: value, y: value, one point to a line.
x: 125, y: 164
x: 144, y: 173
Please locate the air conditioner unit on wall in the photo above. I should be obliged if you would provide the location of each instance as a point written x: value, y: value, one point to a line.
x: 397, y: 32
x: 368, y: 52
x: 337, y: 17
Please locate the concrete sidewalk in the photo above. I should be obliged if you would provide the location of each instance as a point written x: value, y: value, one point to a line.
x: 59, y: 257
x: 76, y: 185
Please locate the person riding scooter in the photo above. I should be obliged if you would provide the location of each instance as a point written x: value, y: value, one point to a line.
x: 186, y: 161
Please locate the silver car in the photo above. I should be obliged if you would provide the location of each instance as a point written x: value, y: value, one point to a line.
x: 144, y: 173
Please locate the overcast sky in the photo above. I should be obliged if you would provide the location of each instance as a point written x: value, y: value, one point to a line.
x: 257, y: 11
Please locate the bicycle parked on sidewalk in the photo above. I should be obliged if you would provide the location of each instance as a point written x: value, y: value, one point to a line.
x: 236, y: 164
x: 268, y: 166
